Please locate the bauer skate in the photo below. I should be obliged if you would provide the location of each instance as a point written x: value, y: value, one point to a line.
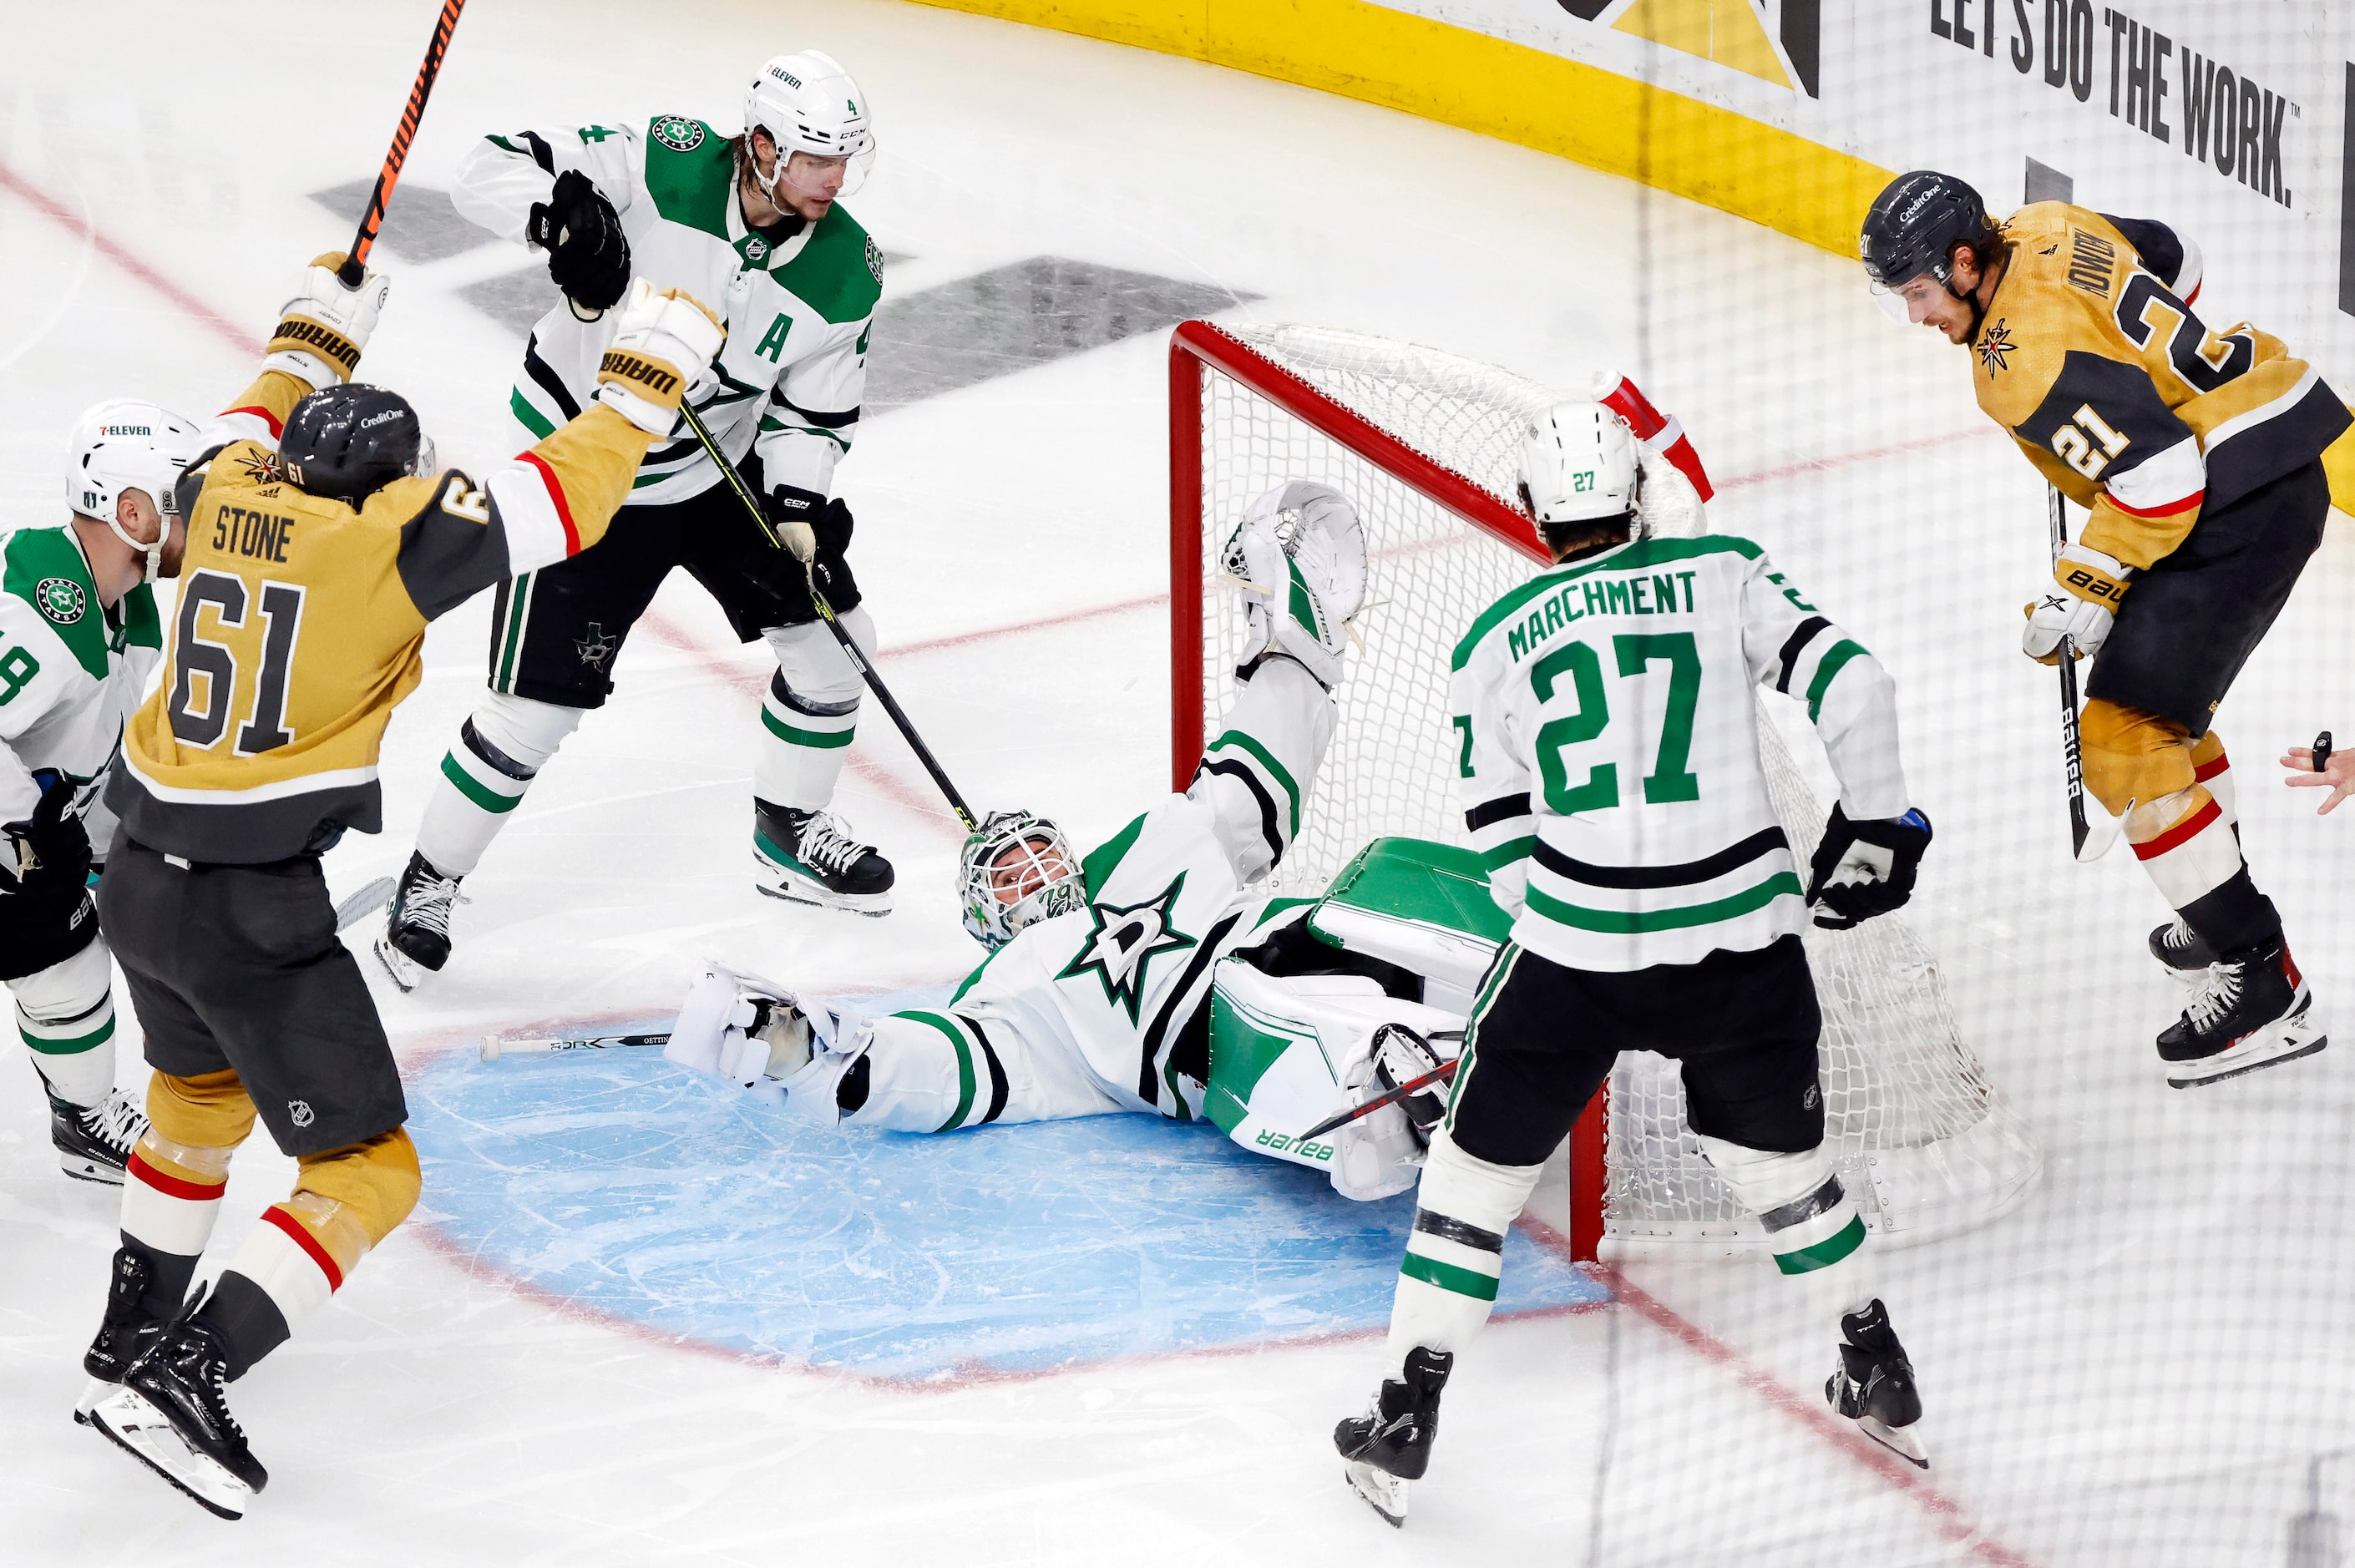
x: 172, y: 1415
x: 810, y: 857
x: 1874, y: 1384
x: 2253, y: 1010
x: 94, y: 1142
x: 1389, y: 1445
x: 124, y: 1333
x: 416, y: 935
x: 2184, y: 951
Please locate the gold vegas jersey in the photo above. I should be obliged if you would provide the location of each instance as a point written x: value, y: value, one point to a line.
x: 300, y: 619
x: 2091, y: 356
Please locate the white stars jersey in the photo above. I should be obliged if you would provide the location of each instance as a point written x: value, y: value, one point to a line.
x: 798, y: 305
x: 1120, y: 987
x: 1609, y: 749
x: 71, y: 673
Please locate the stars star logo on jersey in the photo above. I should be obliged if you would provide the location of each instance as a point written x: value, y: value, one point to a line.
x: 1995, y: 347
x: 1125, y: 941
x: 62, y: 599
x: 679, y: 133
x: 594, y: 646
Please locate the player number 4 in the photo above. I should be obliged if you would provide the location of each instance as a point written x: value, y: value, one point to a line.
x: 206, y: 672
x: 2074, y: 444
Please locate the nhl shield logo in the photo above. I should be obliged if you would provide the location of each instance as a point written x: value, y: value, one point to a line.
x: 62, y: 599
x: 677, y: 132
x: 299, y: 1112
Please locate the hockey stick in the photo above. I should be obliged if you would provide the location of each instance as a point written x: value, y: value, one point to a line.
x: 355, y: 267
x: 1343, y: 1119
x: 2087, y: 843
x: 851, y: 648
x: 493, y: 1048
x: 363, y: 904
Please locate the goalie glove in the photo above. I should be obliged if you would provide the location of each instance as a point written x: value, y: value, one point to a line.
x: 1864, y: 869
x: 587, y: 254
x: 664, y: 344
x: 742, y: 1027
x: 1299, y: 555
x: 2087, y: 588
x: 323, y: 328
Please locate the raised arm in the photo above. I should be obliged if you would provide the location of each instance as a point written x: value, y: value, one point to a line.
x: 1795, y: 649
x: 1491, y: 779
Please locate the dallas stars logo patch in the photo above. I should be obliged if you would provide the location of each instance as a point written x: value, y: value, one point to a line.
x: 594, y: 646
x: 679, y: 133
x: 62, y: 599
x: 1125, y: 943
x: 1995, y: 348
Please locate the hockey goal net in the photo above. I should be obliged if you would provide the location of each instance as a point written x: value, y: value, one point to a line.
x: 1426, y: 445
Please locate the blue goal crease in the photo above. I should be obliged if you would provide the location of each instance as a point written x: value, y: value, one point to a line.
x: 671, y: 1200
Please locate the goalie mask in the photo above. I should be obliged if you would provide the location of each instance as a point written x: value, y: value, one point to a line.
x: 807, y: 103
x: 1015, y: 870
x: 129, y: 445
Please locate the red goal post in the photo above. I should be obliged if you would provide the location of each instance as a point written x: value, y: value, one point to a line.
x: 1198, y: 349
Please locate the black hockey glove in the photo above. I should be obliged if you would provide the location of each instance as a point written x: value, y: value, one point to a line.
x: 49, y: 852
x: 587, y: 254
x: 1864, y: 869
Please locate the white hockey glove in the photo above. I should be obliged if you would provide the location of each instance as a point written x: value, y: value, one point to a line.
x: 323, y: 328
x: 1299, y: 555
x: 664, y: 345
x: 740, y: 1027
x: 2079, y: 604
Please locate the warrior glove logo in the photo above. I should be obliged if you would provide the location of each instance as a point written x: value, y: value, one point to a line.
x: 1125, y: 941
x: 62, y: 599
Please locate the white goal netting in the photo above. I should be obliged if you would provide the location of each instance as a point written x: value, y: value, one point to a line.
x: 1924, y: 1139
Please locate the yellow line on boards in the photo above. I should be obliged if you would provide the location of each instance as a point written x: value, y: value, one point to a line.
x: 1471, y: 80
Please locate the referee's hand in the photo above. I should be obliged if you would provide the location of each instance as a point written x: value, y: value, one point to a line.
x: 2338, y: 773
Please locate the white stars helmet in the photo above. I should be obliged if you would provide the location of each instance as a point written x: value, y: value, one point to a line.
x: 807, y: 103
x: 125, y: 444
x: 1579, y: 464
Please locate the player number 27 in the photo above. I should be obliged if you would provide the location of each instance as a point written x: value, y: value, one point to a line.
x: 1583, y: 667
x: 205, y: 678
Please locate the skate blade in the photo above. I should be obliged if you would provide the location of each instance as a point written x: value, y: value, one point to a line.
x: 397, y: 966
x: 2300, y: 1035
x: 97, y: 1389
x: 1384, y: 1492
x: 775, y: 880
x: 132, y: 1424
x: 1898, y: 1440
x: 84, y: 1167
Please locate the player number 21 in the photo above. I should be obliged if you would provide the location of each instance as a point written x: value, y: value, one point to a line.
x: 1581, y: 666
x: 2074, y: 444
x: 205, y: 678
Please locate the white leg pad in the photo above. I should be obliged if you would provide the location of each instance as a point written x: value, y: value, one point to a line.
x: 65, y: 1016
x: 478, y: 791
x: 810, y: 712
x: 1812, y: 1225
x: 1455, y: 1254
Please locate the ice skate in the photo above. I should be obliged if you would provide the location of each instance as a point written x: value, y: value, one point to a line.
x: 1874, y: 1385
x: 810, y: 857
x: 416, y: 935
x: 1389, y: 1445
x: 94, y: 1142
x: 2183, y: 950
x: 2253, y: 1011
x: 124, y: 1333
x: 171, y: 1415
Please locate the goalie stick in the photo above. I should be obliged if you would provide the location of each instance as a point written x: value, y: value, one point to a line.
x: 495, y: 1047
x: 851, y: 648
x: 2087, y: 841
x: 1343, y: 1119
x: 355, y: 267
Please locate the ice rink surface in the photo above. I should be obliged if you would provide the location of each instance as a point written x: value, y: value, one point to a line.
x: 586, y: 1348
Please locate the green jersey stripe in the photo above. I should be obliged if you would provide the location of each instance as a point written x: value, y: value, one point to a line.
x: 1236, y: 737
x: 1629, y: 922
x: 71, y: 1047
x: 1448, y: 1276
x: 531, y: 418
x: 818, y: 739
x: 1511, y: 849
x: 1824, y: 1254
x: 519, y: 600
x: 965, y: 1067
x: 1827, y: 671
